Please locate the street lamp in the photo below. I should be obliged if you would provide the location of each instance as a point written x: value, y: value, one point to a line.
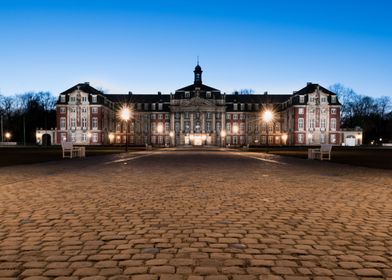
x: 268, y: 116
x: 125, y: 115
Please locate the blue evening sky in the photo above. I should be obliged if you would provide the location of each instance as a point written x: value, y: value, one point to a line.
x: 148, y: 46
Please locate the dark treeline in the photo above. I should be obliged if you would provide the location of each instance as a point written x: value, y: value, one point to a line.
x: 373, y: 115
x: 22, y: 114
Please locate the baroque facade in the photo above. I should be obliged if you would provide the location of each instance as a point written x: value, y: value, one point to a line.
x: 199, y: 115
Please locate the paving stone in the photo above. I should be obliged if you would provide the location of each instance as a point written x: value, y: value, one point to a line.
x: 200, y: 215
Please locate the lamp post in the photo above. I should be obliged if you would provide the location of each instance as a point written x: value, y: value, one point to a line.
x: 171, y: 134
x: 267, y: 118
x: 125, y: 115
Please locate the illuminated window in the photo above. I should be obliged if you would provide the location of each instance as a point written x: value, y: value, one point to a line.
x: 84, y: 123
x: 62, y: 123
x: 333, y: 124
x: 73, y: 123
x: 95, y: 123
x: 300, y: 123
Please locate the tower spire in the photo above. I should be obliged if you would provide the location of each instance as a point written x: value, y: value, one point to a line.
x: 197, y: 60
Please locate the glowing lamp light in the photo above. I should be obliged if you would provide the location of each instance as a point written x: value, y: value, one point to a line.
x: 89, y: 135
x: 160, y: 128
x: 235, y: 129
x: 284, y: 137
x: 223, y: 133
x: 111, y: 136
x: 125, y: 113
x: 171, y: 134
x: 268, y: 116
x: 7, y: 136
x: 38, y: 135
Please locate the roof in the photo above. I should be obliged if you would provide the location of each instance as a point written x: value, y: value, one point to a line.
x: 257, y: 98
x: 310, y: 88
x: 85, y: 87
x: 193, y: 87
x: 139, y: 98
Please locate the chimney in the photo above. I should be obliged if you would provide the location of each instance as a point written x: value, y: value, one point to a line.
x: 159, y: 93
x: 129, y: 92
x: 265, y: 92
x: 308, y: 83
x: 87, y: 83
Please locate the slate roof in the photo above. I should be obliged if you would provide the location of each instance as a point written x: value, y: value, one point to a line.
x: 139, y: 98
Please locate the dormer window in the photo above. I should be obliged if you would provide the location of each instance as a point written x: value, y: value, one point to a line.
x: 235, y: 106
x: 187, y: 94
x: 208, y: 94
x: 62, y: 98
x: 145, y: 106
x: 94, y: 98
x: 160, y: 106
x: 242, y: 107
x: 301, y: 99
x: 153, y: 106
x: 333, y: 99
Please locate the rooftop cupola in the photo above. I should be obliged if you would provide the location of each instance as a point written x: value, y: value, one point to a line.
x: 198, y: 72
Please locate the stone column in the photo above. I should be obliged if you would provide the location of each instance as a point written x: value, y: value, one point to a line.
x: 203, y: 120
x: 191, y: 115
x: 182, y: 123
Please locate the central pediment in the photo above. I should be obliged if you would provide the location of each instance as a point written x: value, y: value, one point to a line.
x: 195, y: 102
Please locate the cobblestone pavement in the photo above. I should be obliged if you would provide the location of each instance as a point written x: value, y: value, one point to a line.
x: 195, y: 215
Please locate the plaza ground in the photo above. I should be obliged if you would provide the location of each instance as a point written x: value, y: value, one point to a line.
x: 194, y: 215
x: 373, y: 157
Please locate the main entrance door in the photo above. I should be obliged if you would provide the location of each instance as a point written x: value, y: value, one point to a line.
x: 197, y: 140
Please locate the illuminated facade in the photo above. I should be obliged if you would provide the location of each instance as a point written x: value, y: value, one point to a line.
x: 199, y: 115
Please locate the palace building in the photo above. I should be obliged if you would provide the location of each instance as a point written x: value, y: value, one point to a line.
x: 199, y: 115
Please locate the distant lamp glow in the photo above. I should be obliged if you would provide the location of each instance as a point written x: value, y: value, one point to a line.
x: 380, y: 139
x: 284, y: 137
x: 111, y: 137
x: 171, y: 134
x: 235, y: 129
x: 7, y: 136
x: 89, y: 135
x: 223, y: 133
x: 38, y: 135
